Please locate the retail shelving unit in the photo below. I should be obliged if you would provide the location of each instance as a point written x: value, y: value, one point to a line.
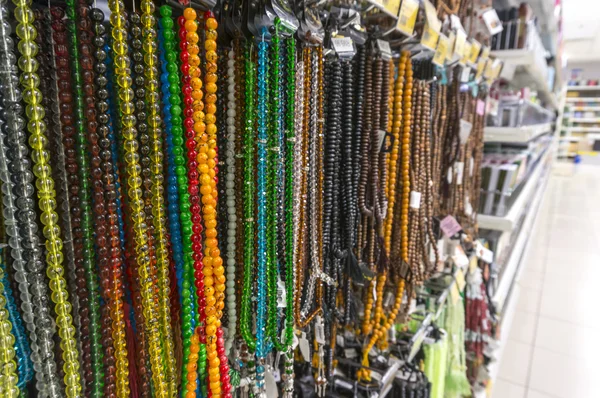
x: 516, y: 134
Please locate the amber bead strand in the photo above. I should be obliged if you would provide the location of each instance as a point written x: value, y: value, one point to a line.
x: 406, y: 141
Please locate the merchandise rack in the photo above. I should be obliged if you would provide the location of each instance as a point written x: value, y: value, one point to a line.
x: 522, y: 134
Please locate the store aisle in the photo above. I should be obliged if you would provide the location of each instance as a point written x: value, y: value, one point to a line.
x: 553, y: 346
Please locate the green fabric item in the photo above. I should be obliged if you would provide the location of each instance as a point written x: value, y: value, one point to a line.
x: 457, y: 385
x: 436, y: 361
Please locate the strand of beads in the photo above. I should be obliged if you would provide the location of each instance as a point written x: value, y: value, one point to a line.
x: 78, y: 170
x: 215, y: 344
x: 156, y: 158
x: 141, y: 311
x: 24, y: 365
x: 28, y: 267
x: 125, y: 93
x: 8, y: 374
x: 231, y: 201
x: 16, y: 240
x: 290, y: 137
x: 261, y: 277
x: 188, y: 297
x: 46, y: 196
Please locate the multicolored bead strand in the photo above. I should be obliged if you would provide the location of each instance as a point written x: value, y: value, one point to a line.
x: 8, y: 373
x: 46, y: 196
x: 78, y: 168
x: 156, y: 158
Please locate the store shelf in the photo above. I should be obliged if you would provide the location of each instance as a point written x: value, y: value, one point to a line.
x: 585, y: 119
x: 586, y: 108
x: 529, y: 73
x: 509, y: 221
x: 570, y: 139
x: 513, y: 263
x: 515, y: 134
x: 583, y: 129
x: 583, y: 99
x: 583, y: 88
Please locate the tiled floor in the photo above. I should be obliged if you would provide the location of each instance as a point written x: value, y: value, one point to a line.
x: 553, y: 348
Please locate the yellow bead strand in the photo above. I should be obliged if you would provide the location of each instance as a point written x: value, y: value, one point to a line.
x: 46, y: 194
x: 158, y: 203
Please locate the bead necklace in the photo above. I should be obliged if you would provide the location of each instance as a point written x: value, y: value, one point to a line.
x: 156, y: 157
x: 262, y: 255
x: 189, y: 300
x: 46, y: 195
x: 219, y: 370
x: 248, y: 194
x: 143, y: 355
x: 230, y: 162
x: 195, y: 127
x: 9, y: 376
x: 29, y: 264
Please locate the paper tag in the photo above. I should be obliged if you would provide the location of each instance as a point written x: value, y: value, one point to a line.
x: 304, y: 347
x: 460, y: 280
x: 468, y: 207
x: 465, y: 131
x: 484, y: 253
x: 460, y: 258
x: 488, y: 70
x: 485, y: 53
x: 471, y: 165
x: 384, y: 48
x: 408, y: 16
x: 380, y: 138
x: 343, y: 46
x: 281, y: 294
x: 319, y: 330
x: 496, y: 68
x: 480, y: 68
x: 277, y: 375
x: 431, y: 32
x: 271, y: 384
x: 454, y: 294
x: 415, y: 200
x: 350, y: 353
x: 390, y: 6
x: 451, y: 42
x: 464, y: 60
x: 340, y: 341
x: 473, y: 264
x: 492, y: 22
x: 475, y: 49
x: 441, y: 52
x: 493, y: 105
x: 465, y: 74
x: 450, y: 175
x: 460, y: 168
x: 480, y: 107
x: 388, y: 300
x: 459, y: 43
x: 450, y: 226
x: 376, y: 376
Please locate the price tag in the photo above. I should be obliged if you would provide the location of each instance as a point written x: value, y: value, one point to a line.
x: 343, y: 46
x: 380, y: 138
x: 484, y: 253
x: 491, y: 21
x: 480, y: 107
x: 384, y: 48
x: 454, y: 294
x: 480, y: 67
x: 460, y: 280
x: 459, y: 43
x: 460, y: 258
x: 471, y: 165
x: 391, y: 6
x: 408, y: 16
x: 431, y: 32
x: 489, y: 69
x: 350, y: 353
x: 473, y: 264
x: 304, y: 347
x: 281, y: 294
x: 319, y: 331
x: 451, y: 43
x: 496, y: 68
x: 449, y: 176
x: 460, y: 168
x: 465, y: 54
x: 415, y: 200
x: 450, y: 226
x: 465, y: 131
x: 340, y: 341
x: 485, y: 53
x: 475, y: 49
x: 465, y: 74
x: 441, y: 52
